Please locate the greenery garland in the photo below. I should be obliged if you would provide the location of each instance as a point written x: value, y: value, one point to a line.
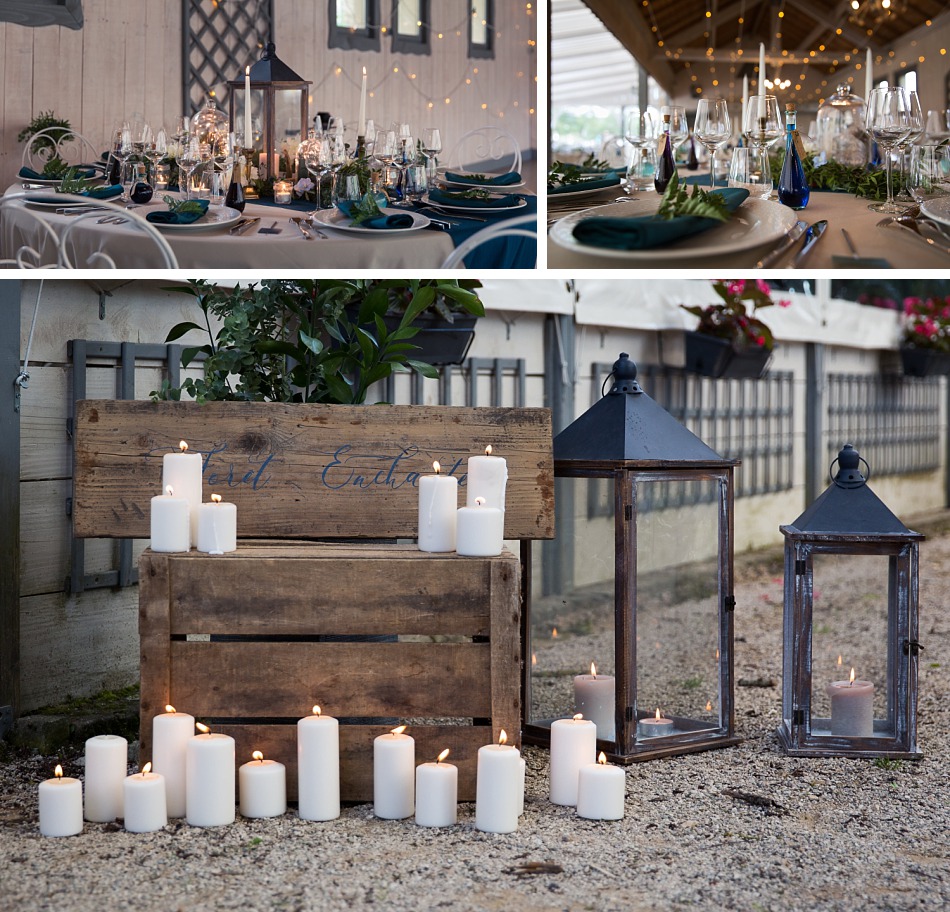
x: 832, y: 176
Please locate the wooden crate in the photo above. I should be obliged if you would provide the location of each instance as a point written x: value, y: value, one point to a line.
x: 453, y: 676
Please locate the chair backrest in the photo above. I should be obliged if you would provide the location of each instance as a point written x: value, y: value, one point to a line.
x: 31, y: 243
x: 72, y: 147
x: 614, y: 151
x: 488, y: 150
x: 525, y: 226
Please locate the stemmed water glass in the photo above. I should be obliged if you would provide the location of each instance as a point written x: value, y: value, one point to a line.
x: 712, y: 128
x: 431, y: 147
x: 384, y: 150
x: 916, y: 131
x: 763, y: 121
x: 189, y: 160
x: 155, y: 150
x: 640, y: 130
x: 679, y: 128
x: 929, y: 172
x: 316, y: 157
x: 122, y: 149
x: 888, y: 121
x: 335, y: 159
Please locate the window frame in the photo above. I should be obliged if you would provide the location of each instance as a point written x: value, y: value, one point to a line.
x: 355, y: 39
x: 409, y: 44
x: 486, y: 50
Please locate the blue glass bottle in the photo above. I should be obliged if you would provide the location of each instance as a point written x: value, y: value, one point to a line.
x: 665, y: 166
x: 792, y: 187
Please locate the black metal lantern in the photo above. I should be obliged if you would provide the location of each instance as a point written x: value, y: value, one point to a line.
x: 278, y: 111
x: 850, y: 624
x: 645, y: 526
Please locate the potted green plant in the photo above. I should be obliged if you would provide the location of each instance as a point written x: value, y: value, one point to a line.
x: 925, y: 338
x: 312, y: 340
x: 730, y: 340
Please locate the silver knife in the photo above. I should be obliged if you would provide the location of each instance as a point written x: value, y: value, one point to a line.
x: 796, y: 231
x: 301, y: 229
x: 811, y: 238
x: 244, y: 226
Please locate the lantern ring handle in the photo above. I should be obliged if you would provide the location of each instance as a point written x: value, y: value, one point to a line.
x: 603, y: 386
x: 834, y: 480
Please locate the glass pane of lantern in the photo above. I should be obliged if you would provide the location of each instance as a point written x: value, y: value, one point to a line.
x: 351, y: 14
x: 572, y: 608
x: 287, y: 118
x: 677, y: 607
x: 849, y: 630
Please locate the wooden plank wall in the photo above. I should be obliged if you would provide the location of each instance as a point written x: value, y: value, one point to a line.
x: 127, y: 60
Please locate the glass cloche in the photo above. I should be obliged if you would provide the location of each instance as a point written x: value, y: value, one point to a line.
x: 210, y: 123
x: 841, y: 134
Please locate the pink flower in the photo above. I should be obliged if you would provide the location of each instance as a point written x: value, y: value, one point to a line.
x: 760, y: 341
x: 735, y: 287
x: 785, y: 303
x: 763, y: 286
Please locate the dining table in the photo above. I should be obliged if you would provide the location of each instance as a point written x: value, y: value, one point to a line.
x: 756, y: 229
x: 273, y: 242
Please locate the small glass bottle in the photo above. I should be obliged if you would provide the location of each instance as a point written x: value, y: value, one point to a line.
x: 692, y: 162
x: 665, y: 166
x: 235, y: 195
x: 792, y: 187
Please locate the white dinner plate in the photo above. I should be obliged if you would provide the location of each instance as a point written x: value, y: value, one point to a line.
x: 582, y: 192
x: 754, y: 223
x: 469, y: 184
x: 938, y: 209
x: 215, y: 217
x: 475, y: 210
x: 71, y: 203
x: 333, y: 218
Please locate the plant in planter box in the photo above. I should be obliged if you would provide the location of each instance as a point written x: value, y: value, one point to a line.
x: 311, y: 340
x: 925, y: 338
x: 730, y: 340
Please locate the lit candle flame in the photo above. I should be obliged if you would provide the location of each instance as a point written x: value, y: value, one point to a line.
x: 215, y: 498
x: 593, y: 670
x: 316, y: 710
x: 503, y: 737
x: 364, y: 71
x: 851, y: 679
x: 202, y: 728
x: 488, y: 450
x: 534, y: 658
x: 146, y: 769
x: 170, y: 491
x: 601, y: 757
x: 658, y: 716
x: 554, y: 633
x: 398, y: 730
x: 436, y: 467
x: 183, y: 446
x: 442, y: 756
x: 169, y: 708
x: 479, y: 501
x: 839, y: 661
x: 709, y: 706
x: 58, y: 772
x: 258, y: 756
x: 578, y: 717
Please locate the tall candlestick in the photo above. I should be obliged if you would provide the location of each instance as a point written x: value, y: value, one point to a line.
x: 60, y: 805
x: 487, y: 477
x: 868, y: 76
x: 573, y: 745
x: 217, y: 526
x: 248, y: 134
x: 362, y: 125
x: 262, y: 785
x: 438, y: 503
x: 594, y: 699
x: 209, y: 778
x: 183, y: 472
x: 745, y: 99
x: 145, y: 806
x: 171, y: 732
x: 852, y: 708
x: 761, y: 71
x: 107, y: 761
x: 318, y: 767
x: 497, y: 787
x: 437, y: 787
x: 394, y: 773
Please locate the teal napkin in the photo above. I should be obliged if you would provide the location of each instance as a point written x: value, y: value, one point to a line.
x: 346, y: 206
x: 646, y: 231
x: 177, y: 218
x: 31, y: 175
x: 484, y: 180
x: 587, y: 169
x: 399, y: 220
x: 447, y: 198
x: 103, y: 193
x: 596, y: 183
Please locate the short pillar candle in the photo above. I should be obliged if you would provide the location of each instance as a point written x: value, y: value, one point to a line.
x: 182, y: 471
x: 573, y: 745
x: 170, y: 523
x: 318, y: 767
x: 600, y: 790
x: 60, y: 800
x: 437, y: 787
x: 107, y: 764
x: 209, y: 779
x: 145, y: 805
x: 217, y: 526
x: 171, y: 732
x: 497, y: 786
x: 262, y: 785
x: 394, y: 773
x: 438, y: 503
x: 852, y: 708
x: 480, y: 530
x: 594, y: 699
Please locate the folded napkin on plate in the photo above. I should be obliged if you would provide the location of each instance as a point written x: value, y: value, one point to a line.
x: 84, y: 171
x: 594, y: 183
x: 645, y: 231
x: 177, y: 218
x: 484, y: 180
x: 447, y: 198
x: 103, y: 193
x: 386, y: 219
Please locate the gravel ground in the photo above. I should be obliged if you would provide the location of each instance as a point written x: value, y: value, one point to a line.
x: 840, y: 834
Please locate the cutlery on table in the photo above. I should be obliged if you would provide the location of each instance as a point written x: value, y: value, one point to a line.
x: 794, y: 233
x: 301, y: 228
x: 911, y: 225
x: 812, y: 236
x: 272, y: 230
x: 244, y: 225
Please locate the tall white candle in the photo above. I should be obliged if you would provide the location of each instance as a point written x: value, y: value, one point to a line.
x: 497, y: 787
x: 361, y: 131
x: 438, y: 503
x: 183, y: 472
x: 573, y: 745
x: 437, y: 787
x: 145, y: 806
x: 170, y: 523
x: 318, y: 767
x: 487, y: 477
x: 480, y: 530
x: 761, y: 91
x: 394, y: 773
x: 248, y: 134
x: 852, y: 708
x: 868, y: 76
x: 217, y: 526
x: 171, y: 732
x: 107, y: 763
x: 594, y: 699
x: 262, y: 785
x: 60, y: 801
x: 600, y: 790
x: 209, y: 779
x: 745, y: 98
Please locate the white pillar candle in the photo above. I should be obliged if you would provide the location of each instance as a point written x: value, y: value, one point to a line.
x: 524, y: 770
x: 170, y: 523
x: 487, y: 476
x: 248, y: 134
x: 437, y: 788
x: 868, y: 76
x: 600, y: 791
x: 209, y: 779
x: 107, y: 763
x: 745, y: 99
x: 318, y: 767
x: 852, y: 708
x: 497, y: 784
x: 480, y: 530
x: 361, y: 130
x: 438, y: 503
x: 594, y: 699
x: 573, y: 745
x: 217, y: 526
x: 144, y: 796
x: 394, y: 773
x: 171, y: 732
x: 655, y: 726
x: 262, y: 785
x: 183, y: 472
x: 60, y: 805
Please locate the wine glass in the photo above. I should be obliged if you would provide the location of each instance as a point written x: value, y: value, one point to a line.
x: 929, y: 172
x: 431, y: 147
x: 888, y: 121
x: 335, y: 159
x: 315, y: 155
x: 640, y: 130
x: 189, y: 160
x: 155, y: 150
x: 712, y: 128
x: 916, y: 131
x: 763, y: 121
x: 749, y: 169
x: 122, y: 149
x: 384, y: 152
x: 679, y: 128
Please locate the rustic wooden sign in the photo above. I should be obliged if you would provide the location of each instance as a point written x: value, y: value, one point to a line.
x: 305, y: 471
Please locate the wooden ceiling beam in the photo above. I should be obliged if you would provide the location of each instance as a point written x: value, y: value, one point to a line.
x: 858, y: 38
x: 685, y: 36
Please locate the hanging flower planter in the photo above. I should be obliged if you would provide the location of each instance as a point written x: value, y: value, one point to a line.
x: 924, y: 362
x: 714, y: 357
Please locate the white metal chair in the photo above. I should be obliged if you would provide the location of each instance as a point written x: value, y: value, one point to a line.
x: 72, y: 147
x: 525, y: 226
x: 614, y: 152
x: 31, y: 243
x: 486, y: 150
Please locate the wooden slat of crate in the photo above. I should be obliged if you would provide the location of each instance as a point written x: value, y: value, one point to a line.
x: 305, y: 471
